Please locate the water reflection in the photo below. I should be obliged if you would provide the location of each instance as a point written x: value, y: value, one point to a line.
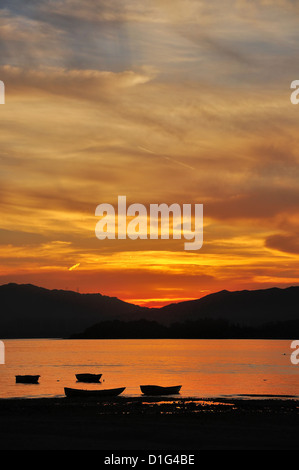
x: 205, y: 368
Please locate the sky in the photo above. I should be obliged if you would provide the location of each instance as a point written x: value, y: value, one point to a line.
x: 161, y: 101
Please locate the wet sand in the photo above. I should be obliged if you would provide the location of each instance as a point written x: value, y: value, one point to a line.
x: 149, y: 424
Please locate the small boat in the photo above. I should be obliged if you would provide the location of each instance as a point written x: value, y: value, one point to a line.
x: 89, y: 378
x: 155, y: 390
x: 75, y: 393
x: 27, y: 379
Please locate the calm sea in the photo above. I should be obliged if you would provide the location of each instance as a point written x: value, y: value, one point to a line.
x: 205, y: 368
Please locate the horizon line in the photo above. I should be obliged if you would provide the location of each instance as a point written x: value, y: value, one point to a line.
x: 144, y: 306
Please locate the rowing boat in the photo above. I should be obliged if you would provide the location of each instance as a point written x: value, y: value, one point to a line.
x: 27, y: 379
x: 156, y: 390
x: 75, y: 393
x: 89, y: 378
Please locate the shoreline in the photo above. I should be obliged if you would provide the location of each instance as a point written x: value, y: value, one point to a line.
x: 157, y: 398
x: 147, y: 423
x: 166, y: 398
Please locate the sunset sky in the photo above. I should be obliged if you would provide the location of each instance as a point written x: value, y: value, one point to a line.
x: 162, y: 101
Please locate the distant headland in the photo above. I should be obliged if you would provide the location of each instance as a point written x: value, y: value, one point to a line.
x: 29, y: 311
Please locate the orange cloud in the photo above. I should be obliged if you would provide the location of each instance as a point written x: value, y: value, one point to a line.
x: 161, y: 104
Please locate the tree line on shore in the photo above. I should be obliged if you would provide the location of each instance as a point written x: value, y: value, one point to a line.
x: 198, y: 329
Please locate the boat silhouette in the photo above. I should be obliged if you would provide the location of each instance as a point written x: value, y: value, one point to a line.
x: 89, y: 378
x: 27, y: 379
x: 75, y: 393
x: 156, y: 390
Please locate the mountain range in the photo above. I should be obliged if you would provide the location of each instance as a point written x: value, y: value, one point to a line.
x: 29, y: 311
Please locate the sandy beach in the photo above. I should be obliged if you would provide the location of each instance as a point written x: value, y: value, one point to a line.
x: 149, y: 424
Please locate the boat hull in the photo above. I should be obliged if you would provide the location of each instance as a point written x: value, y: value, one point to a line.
x: 89, y: 378
x: 75, y: 393
x: 155, y: 390
x: 27, y: 379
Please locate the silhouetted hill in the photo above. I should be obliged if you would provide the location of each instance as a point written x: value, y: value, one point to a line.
x: 32, y: 312
x: 249, y: 308
x: 116, y: 329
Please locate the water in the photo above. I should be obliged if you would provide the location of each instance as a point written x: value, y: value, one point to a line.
x: 205, y: 368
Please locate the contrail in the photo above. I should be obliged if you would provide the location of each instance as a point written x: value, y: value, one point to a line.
x: 178, y: 162
x: 74, y: 267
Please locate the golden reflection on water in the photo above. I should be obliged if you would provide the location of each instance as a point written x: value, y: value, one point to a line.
x: 205, y: 368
